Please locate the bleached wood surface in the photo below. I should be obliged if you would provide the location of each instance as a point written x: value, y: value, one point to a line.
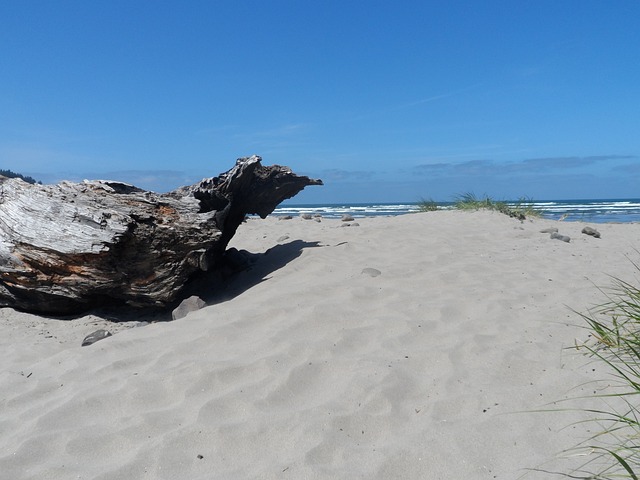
x: 73, y: 246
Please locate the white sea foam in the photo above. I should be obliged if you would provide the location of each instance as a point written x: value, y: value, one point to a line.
x: 599, y: 211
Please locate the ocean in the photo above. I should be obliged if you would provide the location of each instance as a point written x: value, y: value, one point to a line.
x: 596, y: 211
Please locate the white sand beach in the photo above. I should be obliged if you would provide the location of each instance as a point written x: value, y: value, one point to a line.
x: 410, y: 347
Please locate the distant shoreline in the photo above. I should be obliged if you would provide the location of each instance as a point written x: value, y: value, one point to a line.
x: 594, y: 210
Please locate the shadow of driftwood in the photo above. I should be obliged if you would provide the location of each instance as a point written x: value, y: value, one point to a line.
x: 240, y: 271
x: 245, y: 270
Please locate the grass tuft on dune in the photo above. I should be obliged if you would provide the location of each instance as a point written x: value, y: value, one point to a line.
x: 428, y: 205
x: 520, y: 209
x: 615, y: 333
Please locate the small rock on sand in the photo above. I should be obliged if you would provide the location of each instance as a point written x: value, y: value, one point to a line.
x: 372, y: 272
x: 549, y: 230
x: 188, y: 305
x: 591, y: 231
x: 95, y: 336
x: 557, y: 236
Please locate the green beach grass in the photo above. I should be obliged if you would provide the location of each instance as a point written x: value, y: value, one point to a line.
x: 520, y: 209
x: 427, y: 205
x: 615, y: 333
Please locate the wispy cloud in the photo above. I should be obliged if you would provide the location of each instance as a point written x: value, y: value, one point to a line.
x: 377, y: 111
x: 426, y: 100
x: 434, y: 98
x: 629, y: 168
x: 569, y: 162
x: 525, y: 166
x: 433, y: 167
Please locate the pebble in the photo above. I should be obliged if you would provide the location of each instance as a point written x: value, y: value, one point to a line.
x: 372, y: 272
x: 95, y: 336
x: 557, y: 236
x: 188, y: 305
x: 591, y: 231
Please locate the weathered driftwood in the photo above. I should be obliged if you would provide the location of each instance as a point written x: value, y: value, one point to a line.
x: 73, y: 246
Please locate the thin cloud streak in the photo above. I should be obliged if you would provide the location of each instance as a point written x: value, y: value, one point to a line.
x: 629, y: 168
x: 439, y: 97
x: 526, y: 166
x: 376, y: 112
x: 426, y: 100
x: 571, y: 162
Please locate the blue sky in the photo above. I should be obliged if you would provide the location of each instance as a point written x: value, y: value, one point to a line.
x: 385, y: 101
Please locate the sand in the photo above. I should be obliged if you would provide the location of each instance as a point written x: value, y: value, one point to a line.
x: 411, y: 347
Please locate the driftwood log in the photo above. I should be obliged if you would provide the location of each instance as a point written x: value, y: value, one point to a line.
x: 70, y: 247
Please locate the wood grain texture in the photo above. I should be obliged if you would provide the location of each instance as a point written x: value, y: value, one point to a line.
x: 74, y: 246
